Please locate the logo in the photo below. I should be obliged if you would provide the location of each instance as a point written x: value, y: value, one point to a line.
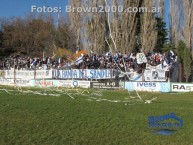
x: 75, y: 83
x: 44, y: 83
x: 149, y: 84
x: 182, y: 87
x: 165, y: 125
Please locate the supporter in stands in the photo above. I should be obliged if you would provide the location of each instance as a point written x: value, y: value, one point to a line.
x: 94, y: 61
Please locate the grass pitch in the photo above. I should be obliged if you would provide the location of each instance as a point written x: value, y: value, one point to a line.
x: 89, y: 117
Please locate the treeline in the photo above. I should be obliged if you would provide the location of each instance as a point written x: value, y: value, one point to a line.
x: 96, y: 32
x: 33, y: 35
x: 181, y: 35
x: 119, y: 31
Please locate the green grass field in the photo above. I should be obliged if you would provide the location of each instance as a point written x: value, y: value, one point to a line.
x: 93, y: 117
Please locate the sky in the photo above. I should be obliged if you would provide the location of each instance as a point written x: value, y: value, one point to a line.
x: 10, y: 8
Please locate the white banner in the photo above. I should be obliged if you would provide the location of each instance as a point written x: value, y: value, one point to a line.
x: 141, y: 58
x: 181, y: 87
x: 147, y: 86
x: 159, y: 67
x: 6, y: 81
x: 74, y: 83
x: 83, y: 74
x: 18, y: 82
x: 136, y: 77
x: 28, y: 74
x: 44, y: 83
x: 155, y: 75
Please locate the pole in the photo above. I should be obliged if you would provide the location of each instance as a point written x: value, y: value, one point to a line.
x: 111, y: 72
x: 82, y: 71
x: 180, y: 79
x: 34, y: 72
x: 143, y: 77
x: 14, y: 71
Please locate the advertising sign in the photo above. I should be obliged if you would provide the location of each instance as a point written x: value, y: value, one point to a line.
x: 74, y: 83
x: 181, y: 87
x: 106, y: 84
x: 44, y: 83
x: 17, y: 82
x: 30, y: 74
x: 143, y: 86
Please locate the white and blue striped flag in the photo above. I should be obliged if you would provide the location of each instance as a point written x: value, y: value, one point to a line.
x: 79, y: 60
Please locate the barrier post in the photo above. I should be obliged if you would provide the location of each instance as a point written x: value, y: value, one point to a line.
x: 180, y: 79
x: 83, y: 72
x: 34, y: 72
x: 14, y: 73
x: 111, y: 72
x: 57, y: 72
x: 143, y: 77
x: 169, y: 76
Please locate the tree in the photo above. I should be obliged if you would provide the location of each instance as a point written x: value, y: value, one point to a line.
x: 28, y: 34
x: 187, y: 63
x: 188, y: 24
x: 181, y: 22
x: 184, y: 57
x: 162, y: 34
x: 1, y: 38
x: 148, y: 28
x: 176, y: 29
x: 180, y: 50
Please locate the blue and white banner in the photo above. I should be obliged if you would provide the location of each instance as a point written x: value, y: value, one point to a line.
x: 83, y: 74
x: 148, y: 86
x: 136, y: 77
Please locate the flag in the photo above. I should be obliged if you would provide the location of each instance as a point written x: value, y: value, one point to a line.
x: 79, y: 60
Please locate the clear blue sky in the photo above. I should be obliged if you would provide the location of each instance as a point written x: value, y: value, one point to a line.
x: 9, y: 8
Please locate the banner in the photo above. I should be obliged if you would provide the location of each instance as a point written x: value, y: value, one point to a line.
x: 181, y: 87
x: 17, y: 82
x: 74, y: 83
x: 141, y: 58
x: 155, y: 75
x: 22, y: 83
x: 148, y: 86
x: 6, y: 81
x: 45, y: 83
x: 135, y: 77
x: 83, y: 74
x: 159, y: 67
x: 106, y: 84
x: 2, y: 73
x: 28, y: 74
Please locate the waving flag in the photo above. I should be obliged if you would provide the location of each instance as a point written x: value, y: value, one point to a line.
x: 79, y: 60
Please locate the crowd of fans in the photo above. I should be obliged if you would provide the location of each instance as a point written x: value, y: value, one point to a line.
x: 92, y: 61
